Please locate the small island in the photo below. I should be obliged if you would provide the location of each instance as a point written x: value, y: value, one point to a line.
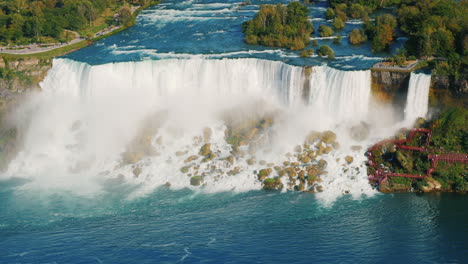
x: 280, y: 26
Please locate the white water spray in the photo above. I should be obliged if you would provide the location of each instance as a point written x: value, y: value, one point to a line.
x: 418, y: 97
x: 77, y: 129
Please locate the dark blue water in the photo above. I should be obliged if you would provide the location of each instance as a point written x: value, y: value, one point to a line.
x: 170, y: 226
x: 212, y: 29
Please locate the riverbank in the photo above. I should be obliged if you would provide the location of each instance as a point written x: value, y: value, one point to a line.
x: 38, y: 52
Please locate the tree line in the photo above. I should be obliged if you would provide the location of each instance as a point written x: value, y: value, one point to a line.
x: 26, y: 21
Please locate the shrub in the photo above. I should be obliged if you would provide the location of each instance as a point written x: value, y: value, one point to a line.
x: 357, y: 36
x: 338, y: 23
x: 325, y: 31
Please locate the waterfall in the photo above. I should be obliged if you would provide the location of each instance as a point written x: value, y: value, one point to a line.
x: 343, y: 95
x: 79, y: 129
x: 418, y: 97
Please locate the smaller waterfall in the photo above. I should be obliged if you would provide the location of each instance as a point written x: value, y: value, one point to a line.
x: 418, y: 96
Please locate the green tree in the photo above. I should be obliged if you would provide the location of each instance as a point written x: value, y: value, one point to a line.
x: 357, y: 36
x: 325, y: 31
x: 338, y: 23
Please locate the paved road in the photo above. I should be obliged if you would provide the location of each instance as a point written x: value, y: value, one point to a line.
x: 37, y: 48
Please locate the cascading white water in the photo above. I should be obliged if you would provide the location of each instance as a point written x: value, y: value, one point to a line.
x: 343, y: 95
x: 418, y: 97
x: 76, y: 129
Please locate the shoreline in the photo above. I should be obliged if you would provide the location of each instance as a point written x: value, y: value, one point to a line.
x: 73, y: 45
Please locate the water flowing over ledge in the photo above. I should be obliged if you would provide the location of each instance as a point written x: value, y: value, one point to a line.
x: 78, y: 128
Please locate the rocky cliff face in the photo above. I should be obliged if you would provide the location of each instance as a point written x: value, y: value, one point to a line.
x: 19, y: 76
x: 390, y: 87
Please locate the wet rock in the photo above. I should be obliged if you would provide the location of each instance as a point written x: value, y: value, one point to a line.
x: 322, y: 164
x: 300, y: 187
x: 230, y: 159
x: 251, y: 161
x: 319, y: 188
x: 305, y: 159
x: 136, y: 172
x: 263, y: 173
x: 191, y: 158
x: 185, y: 169
x: 209, y: 157
x: 273, y: 184
x: 327, y: 149
x: 196, y: 180
x: 328, y: 137
x: 205, y: 150
x: 234, y: 171
x: 312, y: 137
x: 349, y: 159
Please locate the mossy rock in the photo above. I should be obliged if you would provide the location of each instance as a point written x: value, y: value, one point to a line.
x: 263, y: 173
x: 209, y: 157
x: 191, y: 158
x: 234, y: 171
x: 185, y: 169
x: 196, y: 180
x: 328, y: 137
x: 205, y: 150
x: 322, y: 164
x: 251, y: 161
x: 305, y: 159
x: 273, y: 184
x: 312, y: 137
x: 230, y: 159
x: 327, y: 149
x: 349, y: 159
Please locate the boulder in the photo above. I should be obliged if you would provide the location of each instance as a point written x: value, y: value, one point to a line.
x: 273, y: 184
x: 191, y: 158
x: 205, y: 150
x: 328, y: 137
x: 263, y: 173
x: 136, y: 172
x: 196, y: 180
x: 349, y: 159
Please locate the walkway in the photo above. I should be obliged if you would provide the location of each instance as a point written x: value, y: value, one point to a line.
x: 38, y: 48
x: 386, y: 66
x: 381, y: 174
